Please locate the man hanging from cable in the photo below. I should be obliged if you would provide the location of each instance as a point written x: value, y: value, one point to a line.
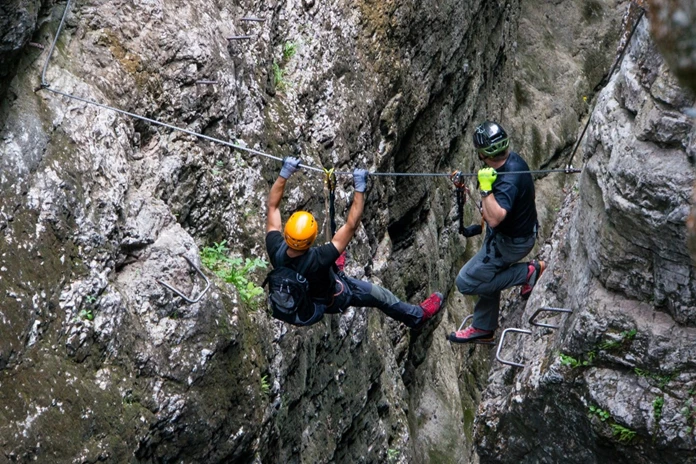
x: 510, y: 212
x: 330, y: 289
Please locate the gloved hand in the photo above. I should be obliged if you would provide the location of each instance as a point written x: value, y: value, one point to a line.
x: 290, y: 165
x: 472, y: 230
x: 360, y: 179
x: 486, y: 177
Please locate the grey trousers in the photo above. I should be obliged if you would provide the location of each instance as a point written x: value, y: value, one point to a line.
x: 359, y: 293
x: 492, y: 269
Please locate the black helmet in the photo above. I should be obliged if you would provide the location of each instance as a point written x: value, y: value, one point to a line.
x: 490, y: 139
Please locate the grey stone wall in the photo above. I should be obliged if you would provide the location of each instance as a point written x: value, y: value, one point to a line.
x: 615, y: 382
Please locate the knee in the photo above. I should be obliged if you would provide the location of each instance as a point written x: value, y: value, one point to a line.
x: 464, y: 285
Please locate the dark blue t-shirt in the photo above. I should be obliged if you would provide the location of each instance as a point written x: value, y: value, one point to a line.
x: 515, y: 194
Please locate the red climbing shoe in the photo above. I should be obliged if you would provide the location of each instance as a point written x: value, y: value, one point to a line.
x: 535, y: 269
x: 472, y: 335
x: 341, y: 261
x: 431, y: 306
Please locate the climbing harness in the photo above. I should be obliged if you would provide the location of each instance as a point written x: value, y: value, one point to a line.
x: 330, y: 183
x: 461, y: 193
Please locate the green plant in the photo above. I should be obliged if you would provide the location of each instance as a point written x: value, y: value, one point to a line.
x: 235, y: 271
x: 279, y: 81
x: 662, y: 380
x: 88, y: 307
x: 657, y: 405
x: 624, y: 339
x: 392, y: 454
x: 689, y: 411
x: 289, y: 50
x: 601, y: 413
x: 86, y: 314
x: 567, y: 360
x: 591, y: 356
x: 265, y: 386
x: 624, y: 434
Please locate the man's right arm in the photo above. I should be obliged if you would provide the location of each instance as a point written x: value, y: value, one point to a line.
x: 346, y: 232
x: 344, y: 235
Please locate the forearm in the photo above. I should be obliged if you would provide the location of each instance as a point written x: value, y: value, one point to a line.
x: 274, y: 198
x: 346, y: 232
x: 276, y: 193
x: 356, y: 211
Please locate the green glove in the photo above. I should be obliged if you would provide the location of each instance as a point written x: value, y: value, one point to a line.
x: 486, y: 177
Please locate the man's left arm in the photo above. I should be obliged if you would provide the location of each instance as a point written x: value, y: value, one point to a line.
x: 274, y: 221
x: 492, y: 211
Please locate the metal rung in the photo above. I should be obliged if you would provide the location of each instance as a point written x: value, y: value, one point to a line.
x: 500, y: 345
x: 187, y: 299
x: 547, y: 309
x: 464, y: 322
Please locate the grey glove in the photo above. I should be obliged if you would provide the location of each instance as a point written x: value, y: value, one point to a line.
x: 290, y: 165
x: 360, y: 179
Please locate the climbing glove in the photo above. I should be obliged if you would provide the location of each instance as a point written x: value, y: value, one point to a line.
x: 486, y: 177
x: 360, y: 179
x: 290, y: 165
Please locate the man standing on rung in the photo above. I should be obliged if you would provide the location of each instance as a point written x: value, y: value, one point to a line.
x: 510, y: 213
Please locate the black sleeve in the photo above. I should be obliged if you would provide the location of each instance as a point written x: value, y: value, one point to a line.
x: 274, y: 240
x: 505, y: 193
x: 327, y: 254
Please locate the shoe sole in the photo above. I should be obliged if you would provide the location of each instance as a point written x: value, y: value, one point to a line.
x: 479, y: 341
x: 542, y: 268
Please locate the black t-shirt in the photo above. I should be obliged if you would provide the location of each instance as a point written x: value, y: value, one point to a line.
x: 317, y: 263
x: 515, y: 194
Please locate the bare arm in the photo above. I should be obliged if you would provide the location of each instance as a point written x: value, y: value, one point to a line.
x: 274, y: 221
x: 492, y: 211
x: 346, y: 232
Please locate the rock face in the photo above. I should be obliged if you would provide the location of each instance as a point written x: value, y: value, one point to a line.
x: 614, y: 383
x: 97, y: 208
x: 672, y: 31
x: 18, y: 21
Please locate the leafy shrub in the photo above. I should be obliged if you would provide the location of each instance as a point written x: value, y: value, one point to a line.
x: 235, y: 271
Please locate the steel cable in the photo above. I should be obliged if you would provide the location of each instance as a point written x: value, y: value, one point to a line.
x: 46, y: 86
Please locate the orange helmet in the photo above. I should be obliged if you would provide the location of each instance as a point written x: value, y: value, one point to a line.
x: 300, y: 230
